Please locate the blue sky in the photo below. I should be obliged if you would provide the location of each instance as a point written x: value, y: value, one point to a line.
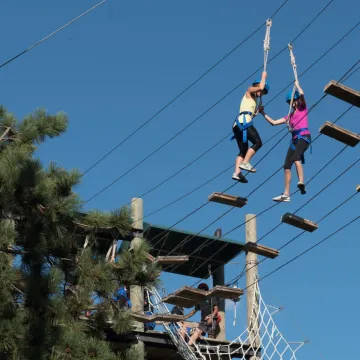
x: 116, y: 67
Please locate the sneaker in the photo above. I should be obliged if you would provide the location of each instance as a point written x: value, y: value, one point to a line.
x: 282, y: 197
x: 301, y: 187
x: 239, y: 177
x: 247, y: 166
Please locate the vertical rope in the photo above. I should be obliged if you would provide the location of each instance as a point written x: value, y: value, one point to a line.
x: 267, y: 42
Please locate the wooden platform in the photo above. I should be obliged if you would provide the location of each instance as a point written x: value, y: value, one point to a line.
x: 261, y: 250
x: 343, y: 93
x: 338, y: 133
x: 158, y: 317
x: 299, y: 222
x: 188, y: 297
x: 228, y: 199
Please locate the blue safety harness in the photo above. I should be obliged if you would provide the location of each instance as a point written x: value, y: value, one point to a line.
x: 293, y: 141
x: 243, y: 126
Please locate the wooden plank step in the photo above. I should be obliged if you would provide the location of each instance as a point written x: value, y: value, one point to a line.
x: 225, y: 292
x: 261, y: 250
x: 299, y: 222
x: 164, y: 260
x: 358, y: 188
x: 188, y: 292
x: 226, y: 199
x: 338, y: 133
x: 179, y: 301
x: 343, y: 92
x: 158, y: 317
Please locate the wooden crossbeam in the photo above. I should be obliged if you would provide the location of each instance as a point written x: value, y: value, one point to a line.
x: 225, y: 292
x: 227, y: 199
x: 358, y: 188
x: 179, y: 301
x: 188, y: 292
x: 338, y: 133
x: 261, y: 250
x: 158, y: 317
x: 343, y: 93
x: 299, y: 222
x: 164, y: 260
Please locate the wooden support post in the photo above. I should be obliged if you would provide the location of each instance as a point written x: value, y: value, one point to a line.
x: 137, y: 292
x: 252, y: 302
x: 219, y: 279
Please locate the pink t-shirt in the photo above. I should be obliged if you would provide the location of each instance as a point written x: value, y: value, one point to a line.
x: 299, y: 120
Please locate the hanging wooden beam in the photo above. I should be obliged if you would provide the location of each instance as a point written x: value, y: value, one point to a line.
x: 165, y: 260
x: 228, y: 199
x: 158, y: 317
x: 338, y: 133
x: 179, y: 301
x: 343, y: 93
x: 358, y: 188
x: 225, y: 292
x: 261, y: 250
x: 299, y: 222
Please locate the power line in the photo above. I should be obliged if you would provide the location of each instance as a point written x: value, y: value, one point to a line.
x: 205, y: 112
x: 183, y: 91
x: 52, y: 34
x: 227, y: 211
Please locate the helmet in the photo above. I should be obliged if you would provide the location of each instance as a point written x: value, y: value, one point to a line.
x: 266, y: 88
x: 288, y: 95
x: 203, y: 286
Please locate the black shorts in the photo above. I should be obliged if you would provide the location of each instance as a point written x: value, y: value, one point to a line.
x: 297, y: 154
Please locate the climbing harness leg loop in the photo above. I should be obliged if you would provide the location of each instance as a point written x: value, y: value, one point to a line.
x: 243, y: 126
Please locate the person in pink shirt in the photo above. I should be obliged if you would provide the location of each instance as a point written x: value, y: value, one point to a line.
x: 300, y: 139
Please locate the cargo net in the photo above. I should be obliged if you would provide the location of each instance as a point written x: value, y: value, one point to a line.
x: 262, y: 340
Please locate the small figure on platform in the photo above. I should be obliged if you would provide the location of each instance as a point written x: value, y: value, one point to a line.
x: 209, y: 317
x: 300, y: 140
x: 244, y: 130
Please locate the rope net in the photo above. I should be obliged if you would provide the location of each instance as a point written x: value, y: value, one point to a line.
x: 262, y: 340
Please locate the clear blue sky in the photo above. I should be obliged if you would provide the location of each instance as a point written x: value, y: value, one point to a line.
x: 117, y: 66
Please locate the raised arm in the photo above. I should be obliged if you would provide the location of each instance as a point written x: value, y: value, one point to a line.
x: 190, y: 314
x: 301, y: 92
x: 254, y: 89
x: 269, y: 119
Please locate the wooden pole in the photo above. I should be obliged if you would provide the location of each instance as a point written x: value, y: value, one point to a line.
x: 252, y: 303
x: 137, y: 292
x: 219, y: 279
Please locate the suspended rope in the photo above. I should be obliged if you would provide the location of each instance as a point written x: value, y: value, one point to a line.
x: 293, y: 64
x: 267, y: 42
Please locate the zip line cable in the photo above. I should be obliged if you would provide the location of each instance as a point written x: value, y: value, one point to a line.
x: 204, y: 113
x: 52, y: 34
x: 201, y: 247
x: 227, y: 211
x: 183, y: 91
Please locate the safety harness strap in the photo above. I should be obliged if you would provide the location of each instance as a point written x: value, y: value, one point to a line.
x: 297, y: 136
x: 243, y: 126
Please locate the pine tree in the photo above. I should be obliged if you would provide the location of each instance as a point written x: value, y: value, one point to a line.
x: 54, y: 260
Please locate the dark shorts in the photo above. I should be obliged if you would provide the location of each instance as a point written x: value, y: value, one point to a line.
x: 205, y: 327
x: 296, y: 154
